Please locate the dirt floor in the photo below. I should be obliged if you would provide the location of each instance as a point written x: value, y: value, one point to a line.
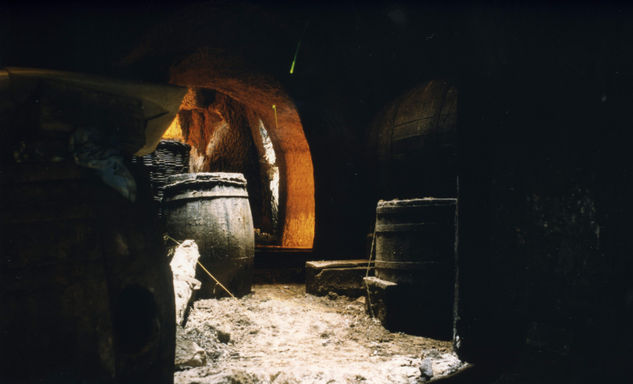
x: 281, y: 335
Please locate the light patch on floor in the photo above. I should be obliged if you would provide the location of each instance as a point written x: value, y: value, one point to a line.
x: 281, y: 335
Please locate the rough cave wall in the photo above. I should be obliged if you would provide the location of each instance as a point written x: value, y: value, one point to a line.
x: 269, y: 176
x: 197, y: 123
x: 544, y: 179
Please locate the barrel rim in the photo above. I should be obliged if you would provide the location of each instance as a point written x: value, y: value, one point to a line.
x: 173, y: 144
x: 236, y: 179
x: 417, y: 202
x: 184, y: 195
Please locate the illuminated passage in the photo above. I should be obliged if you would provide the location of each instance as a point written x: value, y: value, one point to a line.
x: 267, y: 145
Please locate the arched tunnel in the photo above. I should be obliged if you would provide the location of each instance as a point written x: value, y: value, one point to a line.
x: 315, y: 192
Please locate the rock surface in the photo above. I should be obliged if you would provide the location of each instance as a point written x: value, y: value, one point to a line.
x: 183, y: 268
x: 188, y: 353
x: 435, y: 363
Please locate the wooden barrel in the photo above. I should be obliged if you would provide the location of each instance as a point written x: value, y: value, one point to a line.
x: 417, y: 134
x: 84, y: 282
x: 170, y: 158
x: 213, y: 210
x: 415, y: 249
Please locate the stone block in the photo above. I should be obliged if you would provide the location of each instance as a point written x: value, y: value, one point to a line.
x: 343, y: 277
x: 405, y: 308
x: 380, y: 299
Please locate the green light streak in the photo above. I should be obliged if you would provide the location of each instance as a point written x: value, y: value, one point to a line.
x: 275, y: 109
x: 294, y: 59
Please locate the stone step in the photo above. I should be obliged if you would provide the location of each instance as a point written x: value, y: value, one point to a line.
x: 409, y: 308
x: 343, y: 277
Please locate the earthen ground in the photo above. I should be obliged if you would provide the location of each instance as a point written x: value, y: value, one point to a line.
x: 281, y: 335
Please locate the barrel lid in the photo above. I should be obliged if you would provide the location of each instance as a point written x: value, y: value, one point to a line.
x: 426, y: 201
x: 236, y: 179
x: 173, y: 144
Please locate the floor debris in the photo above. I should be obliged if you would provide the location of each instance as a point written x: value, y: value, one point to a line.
x: 281, y: 335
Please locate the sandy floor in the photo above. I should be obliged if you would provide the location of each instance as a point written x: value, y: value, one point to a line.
x: 281, y: 335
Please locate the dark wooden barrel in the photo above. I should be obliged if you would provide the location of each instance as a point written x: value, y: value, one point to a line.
x: 213, y: 210
x: 415, y: 249
x: 85, y: 285
x: 171, y: 157
x: 417, y: 134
